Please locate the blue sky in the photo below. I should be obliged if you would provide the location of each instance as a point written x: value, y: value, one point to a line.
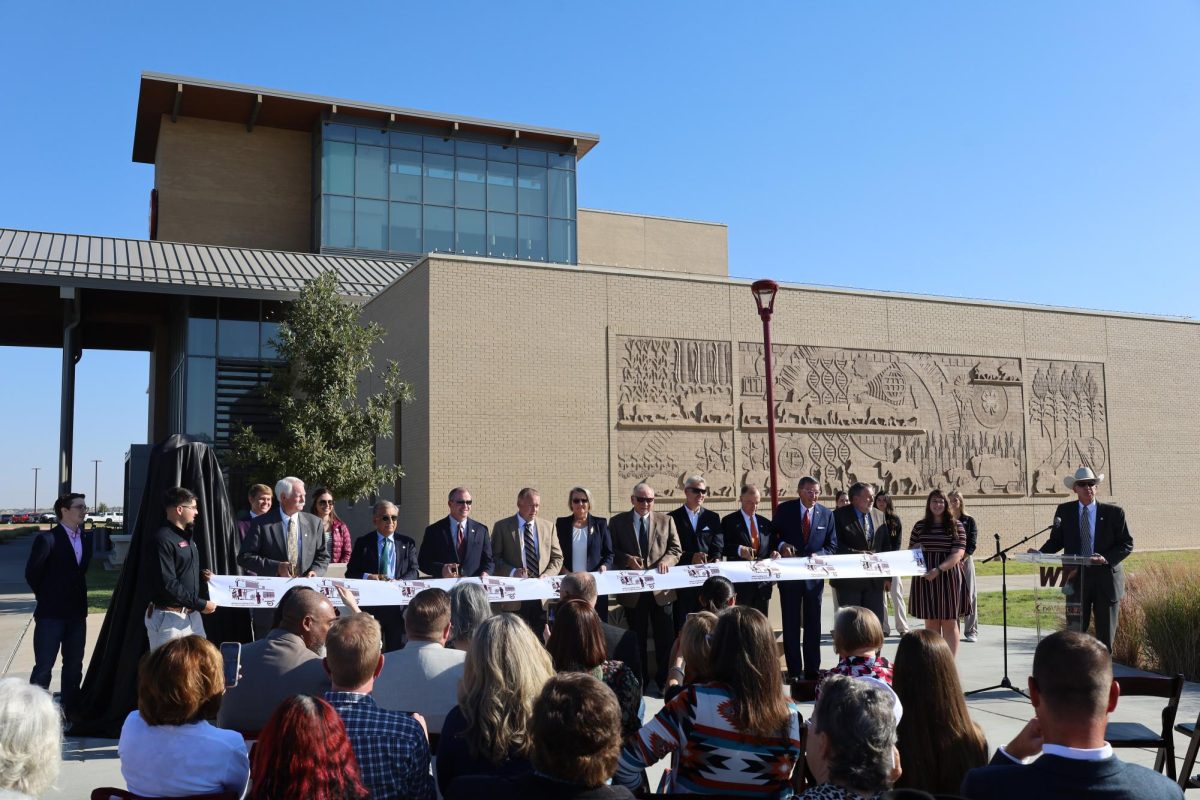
x: 1027, y: 151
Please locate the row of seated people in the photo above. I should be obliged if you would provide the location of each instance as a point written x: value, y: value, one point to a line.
x: 528, y: 724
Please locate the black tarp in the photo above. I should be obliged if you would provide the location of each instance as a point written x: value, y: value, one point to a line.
x: 110, y: 688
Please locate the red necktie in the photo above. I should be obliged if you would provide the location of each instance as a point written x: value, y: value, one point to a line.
x: 461, y: 542
x: 754, y: 535
x: 806, y: 526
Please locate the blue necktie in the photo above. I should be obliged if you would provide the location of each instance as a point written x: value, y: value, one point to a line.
x: 387, y: 567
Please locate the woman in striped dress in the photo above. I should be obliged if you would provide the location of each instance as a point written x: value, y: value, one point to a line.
x: 937, y: 597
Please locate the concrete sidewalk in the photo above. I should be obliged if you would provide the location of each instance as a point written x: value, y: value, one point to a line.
x: 89, y: 763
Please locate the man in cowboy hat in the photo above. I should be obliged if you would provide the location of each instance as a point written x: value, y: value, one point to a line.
x: 1087, y: 528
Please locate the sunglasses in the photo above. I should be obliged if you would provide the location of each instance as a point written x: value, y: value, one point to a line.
x: 461, y: 502
x: 646, y: 500
x: 578, y: 501
x: 694, y: 490
x: 1086, y: 484
x: 388, y: 518
x: 324, y: 502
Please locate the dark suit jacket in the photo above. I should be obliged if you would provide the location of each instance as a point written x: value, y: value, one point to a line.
x: 437, y: 549
x: 364, y: 557
x: 265, y: 545
x: 1111, y: 539
x: 664, y: 548
x: 621, y: 645
x: 58, y: 583
x: 1057, y: 777
x: 737, y: 534
x: 789, y: 525
x: 599, y: 543
x: 851, y: 538
x: 709, y: 539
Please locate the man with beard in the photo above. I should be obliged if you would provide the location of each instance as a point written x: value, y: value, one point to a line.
x: 175, y: 603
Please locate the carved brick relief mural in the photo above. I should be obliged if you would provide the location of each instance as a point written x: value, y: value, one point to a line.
x: 905, y: 421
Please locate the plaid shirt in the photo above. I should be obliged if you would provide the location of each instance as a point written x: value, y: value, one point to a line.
x: 391, y: 748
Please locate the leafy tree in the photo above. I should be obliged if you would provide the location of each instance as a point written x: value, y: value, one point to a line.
x: 103, y: 507
x: 327, y: 434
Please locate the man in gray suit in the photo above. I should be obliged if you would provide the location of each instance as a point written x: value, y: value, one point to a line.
x: 286, y: 662
x: 423, y: 677
x: 288, y: 542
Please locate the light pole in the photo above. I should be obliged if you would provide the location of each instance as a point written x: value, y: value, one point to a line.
x: 764, y: 297
x: 96, y: 483
x: 36, y: 470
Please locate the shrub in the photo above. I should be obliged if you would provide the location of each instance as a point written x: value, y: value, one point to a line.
x: 1171, y: 613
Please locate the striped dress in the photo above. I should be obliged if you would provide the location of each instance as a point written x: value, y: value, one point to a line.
x: 714, y: 757
x: 941, y: 598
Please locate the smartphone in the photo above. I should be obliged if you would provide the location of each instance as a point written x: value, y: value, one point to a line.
x: 231, y: 657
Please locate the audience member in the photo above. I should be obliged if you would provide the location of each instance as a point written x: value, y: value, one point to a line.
x: 857, y: 640
x: 30, y: 740
x: 424, y: 676
x: 937, y: 596
x: 175, y: 602
x: 644, y: 539
x: 691, y: 658
x: 716, y: 594
x: 392, y: 747
x: 286, y: 662
x: 749, y: 536
x: 970, y: 609
x: 487, y: 733
x: 303, y: 752
x: 700, y: 536
x: 938, y: 741
x: 56, y: 571
x: 737, y: 733
x: 385, y: 555
x: 576, y: 742
x: 261, y: 497
x: 584, y: 540
x: 1073, y: 692
x: 851, y: 747
x: 577, y: 645
x: 167, y: 748
x: 893, y: 586
x: 620, y: 644
x: 841, y: 499
x: 337, y: 533
x: 469, y: 607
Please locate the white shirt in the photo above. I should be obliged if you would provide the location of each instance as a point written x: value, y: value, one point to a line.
x: 1062, y: 751
x: 579, y: 543
x: 694, y: 517
x: 174, y: 760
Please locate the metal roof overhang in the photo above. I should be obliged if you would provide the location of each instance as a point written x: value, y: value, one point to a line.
x: 177, y: 95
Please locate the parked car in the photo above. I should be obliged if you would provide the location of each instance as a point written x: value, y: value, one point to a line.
x: 49, y: 516
x: 22, y: 519
x: 109, y: 519
x: 5, y: 519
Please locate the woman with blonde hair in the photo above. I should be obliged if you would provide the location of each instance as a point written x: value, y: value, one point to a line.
x: 691, y: 660
x: 970, y: 611
x: 487, y: 733
x: 30, y: 740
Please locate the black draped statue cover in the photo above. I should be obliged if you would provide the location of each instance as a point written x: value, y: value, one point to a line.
x: 110, y: 688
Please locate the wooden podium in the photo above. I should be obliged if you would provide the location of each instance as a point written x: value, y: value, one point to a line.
x: 1057, y: 593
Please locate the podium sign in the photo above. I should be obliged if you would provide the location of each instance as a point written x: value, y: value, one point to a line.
x: 1058, y: 591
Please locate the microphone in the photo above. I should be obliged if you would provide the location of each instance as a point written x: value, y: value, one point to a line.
x: 1057, y: 523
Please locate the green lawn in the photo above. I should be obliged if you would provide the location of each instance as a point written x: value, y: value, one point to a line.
x: 1135, y: 560
x: 101, y: 583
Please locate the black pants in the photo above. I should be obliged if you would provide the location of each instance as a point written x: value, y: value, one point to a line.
x: 391, y: 624
x: 686, y: 602
x: 755, y: 595
x: 649, y: 616
x: 865, y: 592
x: 49, y: 636
x: 800, y: 602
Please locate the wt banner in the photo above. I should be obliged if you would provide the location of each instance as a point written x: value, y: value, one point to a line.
x: 257, y: 591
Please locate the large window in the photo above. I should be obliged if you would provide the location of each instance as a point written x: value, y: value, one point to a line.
x: 402, y: 192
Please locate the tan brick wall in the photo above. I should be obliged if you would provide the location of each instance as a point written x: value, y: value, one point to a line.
x: 521, y: 383
x: 614, y: 239
x: 218, y: 184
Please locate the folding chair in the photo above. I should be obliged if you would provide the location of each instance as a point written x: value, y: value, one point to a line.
x: 111, y: 793
x: 1135, y: 734
x: 1191, y: 730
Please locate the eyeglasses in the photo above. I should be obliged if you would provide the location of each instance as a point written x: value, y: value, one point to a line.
x: 324, y: 502
x: 646, y: 500
x: 461, y: 502
x: 1086, y: 484
x: 193, y: 507
x: 694, y: 490
x: 578, y: 501
x: 78, y: 508
x: 387, y: 518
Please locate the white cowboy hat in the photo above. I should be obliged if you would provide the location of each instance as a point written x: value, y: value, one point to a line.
x: 1083, y: 474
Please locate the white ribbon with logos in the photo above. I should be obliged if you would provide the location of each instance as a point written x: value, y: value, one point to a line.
x: 256, y: 591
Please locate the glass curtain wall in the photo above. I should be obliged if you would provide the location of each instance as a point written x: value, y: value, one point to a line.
x: 409, y: 193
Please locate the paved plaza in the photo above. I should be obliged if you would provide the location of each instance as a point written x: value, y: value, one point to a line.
x: 89, y: 763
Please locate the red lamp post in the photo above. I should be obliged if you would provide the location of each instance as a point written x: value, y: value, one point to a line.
x: 764, y: 297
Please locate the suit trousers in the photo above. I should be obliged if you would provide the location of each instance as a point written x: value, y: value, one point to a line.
x: 865, y: 592
x: 686, y: 602
x: 755, y: 595
x: 800, y: 604
x: 391, y: 624
x: 649, y: 616
x: 49, y: 636
x: 1093, y: 600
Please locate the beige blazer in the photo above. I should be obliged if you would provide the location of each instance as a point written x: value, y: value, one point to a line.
x: 665, y: 548
x: 506, y: 547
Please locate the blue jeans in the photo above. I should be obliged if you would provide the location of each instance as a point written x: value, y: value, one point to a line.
x: 49, y: 636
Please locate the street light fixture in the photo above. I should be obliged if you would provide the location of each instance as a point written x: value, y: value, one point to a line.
x: 764, y: 297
